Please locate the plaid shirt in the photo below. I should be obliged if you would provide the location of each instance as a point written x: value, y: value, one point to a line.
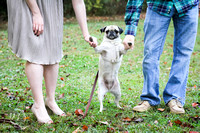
x: 163, y: 7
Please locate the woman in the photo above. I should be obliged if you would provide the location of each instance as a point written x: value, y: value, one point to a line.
x: 35, y: 31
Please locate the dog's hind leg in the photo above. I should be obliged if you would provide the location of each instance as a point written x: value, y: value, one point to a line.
x: 117, y: 93
x: 117, y: 98
x: 101, y: 92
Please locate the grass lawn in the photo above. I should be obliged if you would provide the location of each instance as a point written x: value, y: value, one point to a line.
x: 76, y: 76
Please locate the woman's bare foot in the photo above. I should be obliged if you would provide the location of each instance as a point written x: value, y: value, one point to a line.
x: 52, y: 105
x: 41, y: 114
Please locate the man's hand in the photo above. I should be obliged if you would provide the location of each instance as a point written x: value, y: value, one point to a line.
x: 127, y: 40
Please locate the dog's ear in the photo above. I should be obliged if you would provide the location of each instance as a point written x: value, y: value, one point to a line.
x: 103, y: 29
x: 120, y: 30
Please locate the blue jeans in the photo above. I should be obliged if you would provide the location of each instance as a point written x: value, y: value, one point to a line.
x: 155, y: 29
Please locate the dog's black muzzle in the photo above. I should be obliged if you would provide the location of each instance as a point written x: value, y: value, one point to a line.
x: 112, y: 35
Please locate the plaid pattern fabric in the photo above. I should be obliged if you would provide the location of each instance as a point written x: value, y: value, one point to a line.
x: 163, y: 7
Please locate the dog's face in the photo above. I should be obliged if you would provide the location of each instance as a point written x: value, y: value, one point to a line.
x: 112, y: 31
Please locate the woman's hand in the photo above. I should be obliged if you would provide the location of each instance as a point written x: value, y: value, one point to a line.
x: 91, y: 40
x: 38, y: 24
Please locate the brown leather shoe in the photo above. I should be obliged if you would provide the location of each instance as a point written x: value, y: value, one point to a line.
x: 176, y: 107
x: 142, y: 106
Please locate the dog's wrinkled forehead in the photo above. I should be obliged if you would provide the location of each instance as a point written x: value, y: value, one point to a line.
x: 112, y: 27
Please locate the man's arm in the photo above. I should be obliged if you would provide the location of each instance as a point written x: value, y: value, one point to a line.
x: 132, y: 16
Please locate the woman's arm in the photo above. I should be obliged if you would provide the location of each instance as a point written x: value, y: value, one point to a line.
x: 38, y: 24
x: 80, y: 11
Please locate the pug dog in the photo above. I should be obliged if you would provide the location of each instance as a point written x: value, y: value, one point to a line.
x: 111, y: 51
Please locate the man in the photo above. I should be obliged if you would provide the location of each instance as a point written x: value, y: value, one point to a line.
x: 184, y: 14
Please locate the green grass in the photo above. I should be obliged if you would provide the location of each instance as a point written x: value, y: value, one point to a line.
x: 81, y: 63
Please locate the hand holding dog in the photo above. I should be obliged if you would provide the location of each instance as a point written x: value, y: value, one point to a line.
x: 93, y: 43
x: 129, y: 39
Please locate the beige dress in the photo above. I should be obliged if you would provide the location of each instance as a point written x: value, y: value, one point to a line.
x: 44, y: 49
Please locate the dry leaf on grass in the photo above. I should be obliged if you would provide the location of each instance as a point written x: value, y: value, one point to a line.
x: 170, y: 123
x: 61, y: 96
x: 77, y: 130
x: 127, y: 119
x: 104, y: 123
x: 160, y: 109
x: 79, y: 112
x: 195, y: 104
x: 85, y: 128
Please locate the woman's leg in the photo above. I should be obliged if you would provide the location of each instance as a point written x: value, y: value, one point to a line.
x: 34, y: 74
x: 50, y: 76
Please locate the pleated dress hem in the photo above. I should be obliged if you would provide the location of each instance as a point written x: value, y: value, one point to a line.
x: 32, y: 61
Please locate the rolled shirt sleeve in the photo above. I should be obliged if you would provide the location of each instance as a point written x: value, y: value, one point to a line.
x: 132, y: 16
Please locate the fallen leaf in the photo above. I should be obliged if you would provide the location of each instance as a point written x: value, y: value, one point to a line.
x: 26, y: 118
x: 138, y: 120
x: 61, y: 66
x: 27, y: 108
x: 127, y: 119
x: 178, y: 122
x: 160, y: 109
x: 77, y: 130
x: 193, y: 132
x: 187, y: 125
x: 110, y: 130
x: 67, y: 75
x: 129, y: 89
x: 104, y: 123
x: 21, y: 98
x: 16, y: 93
x: 155, y: 122
x: 118, y: 114
x: 62, y: 95
x: 195, y: 86
x: 68, y: 114
x: 195, y: 118
x: 166, y: 116
x: 73, y: 125
x: 195, y: 104
x: 170, y: 123
x: 62, y: 78
x: 165, y: 62
x: 85, y: 128
x: 79, y: 112
x: 5, y: 89
x: 27, y: 88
